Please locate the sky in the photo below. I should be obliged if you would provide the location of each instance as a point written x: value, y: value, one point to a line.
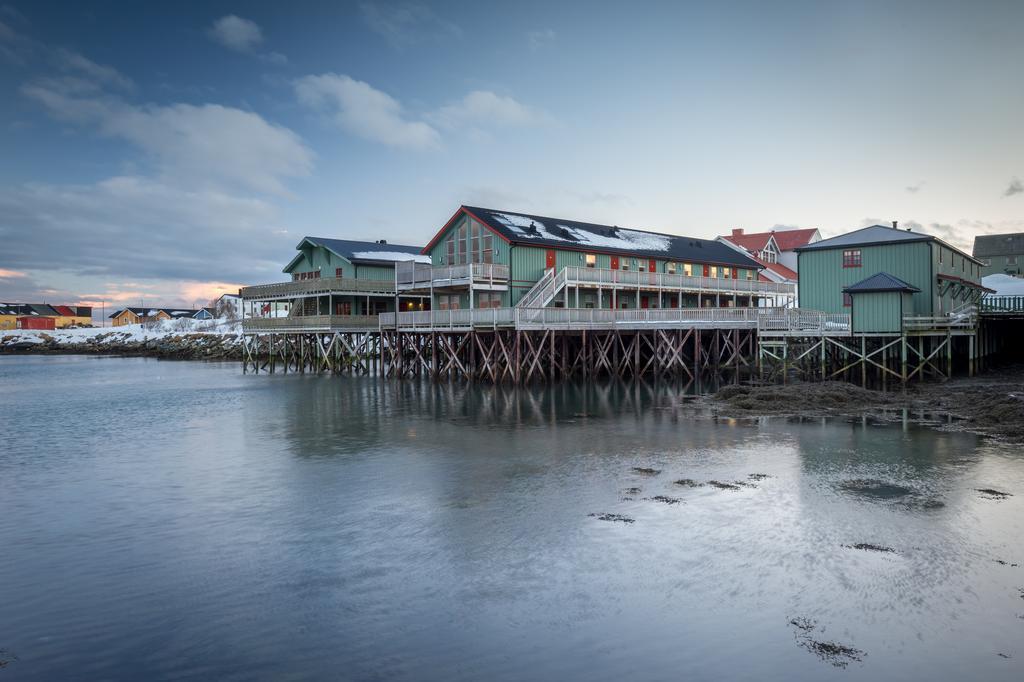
x: 165, y: 153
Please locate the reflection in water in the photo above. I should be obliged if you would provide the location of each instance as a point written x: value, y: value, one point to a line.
x: 186, y: 521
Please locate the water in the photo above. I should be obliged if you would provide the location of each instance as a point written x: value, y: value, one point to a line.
x: 168, y: 520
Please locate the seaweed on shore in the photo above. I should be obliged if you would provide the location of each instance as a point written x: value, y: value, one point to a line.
x: 665, y: 499
x: 758, y: 477
x: 6, y: 658
x: 1005, y: 563
x: 838, y: 655
x: 612, y: 517
x: 647, y: 471
x: 723, y: 486
x: 688, y: 483
x: 992, y: 494
x: 869, y: 547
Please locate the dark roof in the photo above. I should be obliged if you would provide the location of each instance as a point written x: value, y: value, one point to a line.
x: 559, y: 233
x: 175, y: 313
x: 875, y: 235
x: 999, y: 245
x: 347, y: 248
x: 42, y: 309
x: 880, y: 281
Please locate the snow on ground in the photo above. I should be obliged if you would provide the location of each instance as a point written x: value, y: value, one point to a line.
x: 128, y: 332
x: 1005, y: 285
x: 397, y: 256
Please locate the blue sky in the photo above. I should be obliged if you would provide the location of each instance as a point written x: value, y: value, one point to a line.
x: 172, y: 151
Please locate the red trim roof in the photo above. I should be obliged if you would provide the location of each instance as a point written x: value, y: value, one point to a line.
x: 778, y: 268
x: 787, y: 240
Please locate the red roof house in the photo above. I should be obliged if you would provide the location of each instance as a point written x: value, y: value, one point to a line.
x: 774, y: 249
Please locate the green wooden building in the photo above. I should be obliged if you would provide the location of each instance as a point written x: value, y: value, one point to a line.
x: 1000, y: 254
x: 485, y: 258
x: 334, y: 283
x: 936, y: 278
x: 878, y: 303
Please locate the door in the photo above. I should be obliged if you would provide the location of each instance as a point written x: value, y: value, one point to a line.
x: 706, y: 271
x: 644, y: 302
x: 652, y: 266
x: 549, y: 258
x: 615, y: 262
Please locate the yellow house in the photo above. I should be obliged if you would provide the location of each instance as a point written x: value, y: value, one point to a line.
x: 8, y: 317
x: 68, y: 316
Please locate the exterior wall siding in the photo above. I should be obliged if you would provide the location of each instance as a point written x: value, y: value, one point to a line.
x: 879, y: 311
x: 321, y: 259
x: 1003, y: 265
x: 823, y: 277
x: 945, y: 261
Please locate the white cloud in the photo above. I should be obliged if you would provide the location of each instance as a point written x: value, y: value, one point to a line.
x: 1015, y: 187
x: 407, y: 23
x: 236, y: 33
x: 97, y: 73
x: 205, y: 144
x: 135, y: 227
x: 361, y: 110
x: 483, y: 108
x: 539, y: 38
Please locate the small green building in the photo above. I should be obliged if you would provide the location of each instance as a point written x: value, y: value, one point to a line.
x: 485, y: 258
x: 939, y: 278
x: 877, y: 304
x: 1001, y: 254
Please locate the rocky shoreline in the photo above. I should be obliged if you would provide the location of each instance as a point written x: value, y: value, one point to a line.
x: 991, y: 404
x: 183, y: 346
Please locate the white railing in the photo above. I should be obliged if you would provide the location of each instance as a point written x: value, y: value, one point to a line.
x: 541, y: 293
x: 583, y: 276
x: 309, y: 323
x: 320, y: 285
x: 795, y: 321
x: 412, y: 275
x: 924, y: 322
x: 576, y: 318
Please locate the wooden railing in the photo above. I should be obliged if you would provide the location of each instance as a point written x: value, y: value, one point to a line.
x: 1002, y: 304
x: 310, y: 323
x: 791, y: 321
x: 411, y: 275
x: 323, y: 285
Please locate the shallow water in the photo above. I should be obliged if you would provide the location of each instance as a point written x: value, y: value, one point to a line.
x: 170, y: 520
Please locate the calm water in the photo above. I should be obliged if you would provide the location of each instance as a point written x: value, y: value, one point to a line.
x: 166, y: 520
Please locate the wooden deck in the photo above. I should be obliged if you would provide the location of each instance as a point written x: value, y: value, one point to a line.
x: 318, y: 287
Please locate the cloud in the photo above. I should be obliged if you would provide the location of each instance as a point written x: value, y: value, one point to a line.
x: 483, y: 108
x: 914, y: 189
x: 540, y: 38
x: 1015, y: 187
x: 97, y: 73
x: 274, y: 58
x: 14, y: 47
x: 361, y: 110
x: 130, y: 227
x: 406, y: 24
x: 195, y: 144
x: 236, y: 33
x: 11, y: 274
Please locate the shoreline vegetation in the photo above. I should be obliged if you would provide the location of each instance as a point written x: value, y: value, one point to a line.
x: 990, y: 404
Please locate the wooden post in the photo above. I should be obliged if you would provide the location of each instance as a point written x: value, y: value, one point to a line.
x: 970, y: 355
x: 863, y: 362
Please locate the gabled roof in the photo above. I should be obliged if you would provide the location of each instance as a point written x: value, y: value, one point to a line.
x: 42, y: 309
x: 174, y: 313
x: 560, y: 233
x: 362, y: 253
x: 65, y: 311
x: 999, y: 245
x: 880, y: 281
x: 879, y: 234
x: 786, y: 240
x: 779, y: 269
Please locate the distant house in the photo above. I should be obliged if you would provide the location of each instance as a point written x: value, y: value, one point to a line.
x: 62, y: 315
x: 73, y: 316
x: 228, y: 305
x: 203, y: 314
x: 775, y: 250
x: 1002, y: 254
x: 142, y: 315
x: 8, y: 316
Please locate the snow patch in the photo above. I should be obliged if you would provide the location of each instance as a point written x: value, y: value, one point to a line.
x: 617, y: 239
x: 1005, y: 285
x: 397, y: 256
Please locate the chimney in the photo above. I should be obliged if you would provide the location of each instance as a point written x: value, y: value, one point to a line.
x: 382, y: 241
x: 895, y: 225
x: 737, y: 232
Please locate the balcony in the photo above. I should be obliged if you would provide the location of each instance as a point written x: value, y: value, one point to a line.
x: 411, y: 276
x: 319, y: 286
x: 576, y: 275
x: 311, y: 323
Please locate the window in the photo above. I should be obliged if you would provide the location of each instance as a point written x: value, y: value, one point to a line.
x: 462, y: 243
x: 591, y: 260
x: 342, y: 308
x: 641, y: 265
x: 750, y: 274
x: 670, y: 268
x: 490, y: 299
x: 295, y: 276
x: 474, y: 249
x: 448, y: 302
x: 1011, y: 260
x: 338, y: 272
x: 940, y: 255
x: 851, y: 258
x: 625, y: 264
x: 963, y: 264
x: 769, y: 256
x: 713, y: 271
x: 488, y: 255
x: 727, y: 273
x: 688, y: 269
x: 847, y: 300
x: 451, y: 251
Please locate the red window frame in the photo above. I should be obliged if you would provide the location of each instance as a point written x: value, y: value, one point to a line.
x: 847, y: 300
x: 338, y: 272
x: 852, y: 258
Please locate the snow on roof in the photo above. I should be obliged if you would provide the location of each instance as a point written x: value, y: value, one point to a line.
x: 1004, y: 285
x: 390, y: 256
x: 620, y: 238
